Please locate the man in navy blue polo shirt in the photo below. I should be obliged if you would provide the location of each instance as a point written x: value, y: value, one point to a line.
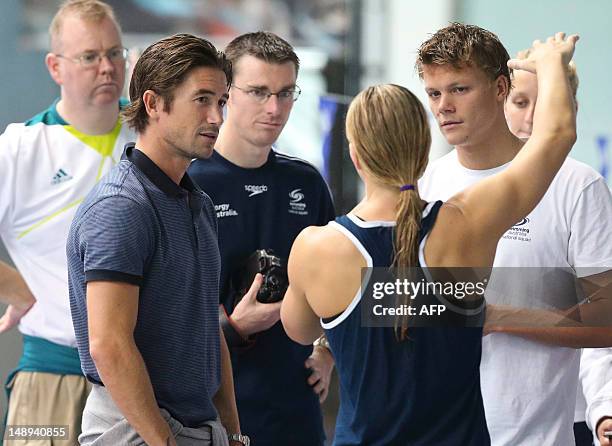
x: 263, y: 200
x: 144, y: 266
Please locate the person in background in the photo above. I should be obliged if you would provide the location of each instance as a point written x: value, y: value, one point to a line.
x: 48, y: 165
x: 594, y: 363
x: 263, y: 199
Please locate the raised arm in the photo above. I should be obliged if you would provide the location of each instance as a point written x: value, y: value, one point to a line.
x: 498, y: 202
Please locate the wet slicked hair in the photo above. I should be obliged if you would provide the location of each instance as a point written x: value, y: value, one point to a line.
x: 462, y: 45
x: 263, y: 45
x: 163, y: 66
x: 91, y: 10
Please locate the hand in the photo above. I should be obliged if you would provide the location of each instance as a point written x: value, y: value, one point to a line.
x: 251, y: 316
x: 604, y: 425
x: 541, y: 50
x: 11, y: 317
x: 321, y: 362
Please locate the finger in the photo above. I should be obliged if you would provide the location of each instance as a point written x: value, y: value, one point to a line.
x: 560, y: 36
x: 536, y: 43
x: 323, y: 395
x: 313, y: 378
x: 520, y: 64
x: 551, y: 39
x: 254, y: 289
x: 319, y: 387
x: 309, y: 363
x: 573, y: 38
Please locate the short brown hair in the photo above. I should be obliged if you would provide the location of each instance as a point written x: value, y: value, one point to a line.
x: 92, y: 10
x: 572, y: 73
x: 263, y: 45
x: 163, y: 66
x: 461, y: 45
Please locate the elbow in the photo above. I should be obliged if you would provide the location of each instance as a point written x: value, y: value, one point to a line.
x: 105, y: 351
x: 294, y: 333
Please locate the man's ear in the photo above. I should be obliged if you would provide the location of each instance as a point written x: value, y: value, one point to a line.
x: 52, y: 63
x: 153, y: 103
x: 502, y: 85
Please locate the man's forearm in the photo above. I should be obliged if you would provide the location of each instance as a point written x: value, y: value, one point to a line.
x: 13, y: 289
x: 572, y: 337
x: 124, y: 374
x: 225, y: 399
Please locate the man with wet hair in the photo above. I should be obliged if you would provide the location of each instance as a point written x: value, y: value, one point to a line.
x: 528, y: 374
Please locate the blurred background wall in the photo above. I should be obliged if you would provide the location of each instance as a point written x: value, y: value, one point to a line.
x: 344, y: 45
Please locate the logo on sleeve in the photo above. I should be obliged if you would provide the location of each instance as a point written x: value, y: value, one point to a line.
x: 60, y: 177
x: 255, y: 190
x: 296, y: 202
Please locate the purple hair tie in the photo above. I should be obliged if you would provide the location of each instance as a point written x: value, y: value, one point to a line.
x: 407, y: 187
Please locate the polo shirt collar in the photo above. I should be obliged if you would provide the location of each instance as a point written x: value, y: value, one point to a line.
x: 156, y: 175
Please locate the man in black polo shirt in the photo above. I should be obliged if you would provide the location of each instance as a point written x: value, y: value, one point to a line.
x: 144, y: 266
x: 263, y: 200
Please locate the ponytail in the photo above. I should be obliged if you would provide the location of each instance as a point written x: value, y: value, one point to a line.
x: 406, y: 246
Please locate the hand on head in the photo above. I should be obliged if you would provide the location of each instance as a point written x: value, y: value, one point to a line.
x: 557, y: 44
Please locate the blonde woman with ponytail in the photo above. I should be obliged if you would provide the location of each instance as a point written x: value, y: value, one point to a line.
x: 421, y: 387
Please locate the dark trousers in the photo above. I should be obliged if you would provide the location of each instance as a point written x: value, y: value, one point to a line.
x: 582, y: 434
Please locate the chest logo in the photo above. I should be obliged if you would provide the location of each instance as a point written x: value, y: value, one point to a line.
x: 61, y: 176
x: 519, y: 232
x: 255, y: 190
x: 296, y: 202
x: 225, y: 210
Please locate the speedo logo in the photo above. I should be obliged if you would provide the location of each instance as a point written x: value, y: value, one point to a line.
x: 255, y: 190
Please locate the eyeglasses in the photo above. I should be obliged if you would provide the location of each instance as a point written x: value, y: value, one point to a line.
x: 92, y: 59
x: 261, y: 95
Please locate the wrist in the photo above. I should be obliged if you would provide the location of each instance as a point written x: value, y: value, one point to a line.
x: 233, y: 335
x: 25, y: 305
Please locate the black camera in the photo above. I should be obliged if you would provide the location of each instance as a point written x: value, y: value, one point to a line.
x: 274, y: 271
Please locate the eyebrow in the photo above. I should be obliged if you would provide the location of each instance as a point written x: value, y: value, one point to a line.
x: 263, y: 87
x: 208, y: 92
x: 453, y: 85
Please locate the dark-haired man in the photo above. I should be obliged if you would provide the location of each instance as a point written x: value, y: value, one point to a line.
x: 263, y: 200
x: 144, y: 265
x: 528, y: 374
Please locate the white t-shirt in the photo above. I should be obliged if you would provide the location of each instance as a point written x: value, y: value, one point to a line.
x: 46, y: 169
x: 529, y: 388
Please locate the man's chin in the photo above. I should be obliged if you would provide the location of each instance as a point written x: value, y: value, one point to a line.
x: 106, y: 98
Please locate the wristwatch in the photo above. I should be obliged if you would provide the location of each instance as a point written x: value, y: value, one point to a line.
x: 244, y: 439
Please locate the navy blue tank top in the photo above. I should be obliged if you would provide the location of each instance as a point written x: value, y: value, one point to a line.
x: 424, y: 390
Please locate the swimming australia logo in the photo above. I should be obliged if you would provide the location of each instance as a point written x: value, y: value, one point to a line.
x: 296, y: 196
x: 519, y: 232
x: 60, y: 177
x: 523, y: 222
x: 296, y: 204
x: 255, y: 190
